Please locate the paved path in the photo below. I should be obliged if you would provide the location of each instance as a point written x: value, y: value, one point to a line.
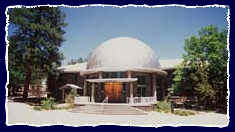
x: 22, y: 114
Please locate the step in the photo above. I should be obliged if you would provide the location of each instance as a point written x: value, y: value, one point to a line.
x: 108, y: 110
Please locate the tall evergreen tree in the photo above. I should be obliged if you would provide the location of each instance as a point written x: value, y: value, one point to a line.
x: 34, y: 44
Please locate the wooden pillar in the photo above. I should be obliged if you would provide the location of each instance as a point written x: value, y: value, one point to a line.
x: 93, y: 92
x: 85, y: 88
x: 164, y: 81
x: 162, y: 86
x: 131, y: 89
x: 100, y: 75
x: 99, y: 93
x: 148, y: 91
x: 154, y: 86
x: 63, y: 96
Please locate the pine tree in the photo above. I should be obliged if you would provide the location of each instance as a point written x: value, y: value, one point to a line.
x: 34, y: 44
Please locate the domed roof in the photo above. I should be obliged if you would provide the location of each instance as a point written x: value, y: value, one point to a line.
x: 123, y: 52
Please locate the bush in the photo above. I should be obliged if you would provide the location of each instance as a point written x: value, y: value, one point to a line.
x: 48, y: 104
x: 163, y: 106
x: 70, y: 97
x: 183, y: 112
x: 37, y: 108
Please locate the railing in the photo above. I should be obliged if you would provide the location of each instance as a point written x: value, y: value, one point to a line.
x: 142, y: 100
x: 106, y: 100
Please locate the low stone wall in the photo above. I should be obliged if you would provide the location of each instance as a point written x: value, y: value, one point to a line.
x: 81, y: 99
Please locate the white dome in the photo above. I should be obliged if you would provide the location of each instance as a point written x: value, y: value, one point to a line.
x: 123, y: 52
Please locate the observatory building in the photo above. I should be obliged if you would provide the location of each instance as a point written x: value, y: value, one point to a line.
x: 120, y: 70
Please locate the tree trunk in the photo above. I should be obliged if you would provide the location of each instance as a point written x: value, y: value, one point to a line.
x: 26, y: 85
x: 13, y: 90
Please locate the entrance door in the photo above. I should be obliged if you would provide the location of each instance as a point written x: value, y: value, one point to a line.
x: 113, y: 91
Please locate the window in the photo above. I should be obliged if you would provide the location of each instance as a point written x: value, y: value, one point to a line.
x: 141, y: 86
x: 114, y: 75
x: 74, y: 78
x: 141, y: 80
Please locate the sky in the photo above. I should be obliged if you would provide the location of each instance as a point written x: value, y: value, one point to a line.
x: 163, y: 29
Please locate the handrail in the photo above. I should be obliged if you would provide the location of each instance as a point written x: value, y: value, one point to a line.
x: 105, y: 100
x: 142, y: 99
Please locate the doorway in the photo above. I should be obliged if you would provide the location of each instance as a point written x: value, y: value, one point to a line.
x: 114, y: 91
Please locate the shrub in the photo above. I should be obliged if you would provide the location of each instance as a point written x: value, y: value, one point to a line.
x: 48, y: 104
x: 183, y: 112
x: 70, y: 97
x: 37, y: 108
x: 163, y: 106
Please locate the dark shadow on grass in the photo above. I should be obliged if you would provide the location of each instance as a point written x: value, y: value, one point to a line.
x: 33, y: 101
